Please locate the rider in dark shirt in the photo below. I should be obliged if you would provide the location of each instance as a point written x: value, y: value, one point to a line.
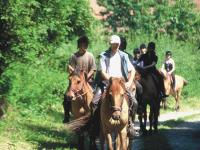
x: 136, y: 56
x: 148, y: 63
x: 169, y: 66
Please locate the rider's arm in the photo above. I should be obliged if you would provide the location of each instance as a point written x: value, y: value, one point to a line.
x: 71, y: 64
x: 92, y: 66
x: 149, y: 66
x: 102, y: 68
x: 105, y: 76
x: 173, y: 66
x: 131, y: 70
x: 163, y: 66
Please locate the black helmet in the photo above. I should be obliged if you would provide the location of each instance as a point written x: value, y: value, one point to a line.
x: 123, y: 43
x: 168, y: 53
x: 142, y: 46
x: 136, y: 51
x: 151, y: 46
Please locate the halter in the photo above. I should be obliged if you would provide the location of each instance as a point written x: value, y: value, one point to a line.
x: 115, y: 108
x: 78, y: 93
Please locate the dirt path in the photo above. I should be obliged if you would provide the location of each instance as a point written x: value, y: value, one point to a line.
x: 174, y: 133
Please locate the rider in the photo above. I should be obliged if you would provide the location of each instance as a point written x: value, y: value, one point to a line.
x: 115, y: 63
x: 143, y: 48
x: 169, y: 66
x: 136, y: 56
x: 148, y: 63
x: 82, y: 60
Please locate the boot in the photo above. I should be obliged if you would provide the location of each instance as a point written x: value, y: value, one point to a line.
x: 66, y: 106
x: 133, y: 104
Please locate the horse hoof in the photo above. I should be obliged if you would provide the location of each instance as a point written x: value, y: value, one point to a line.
x: 65, y: 120
x: 156, y: 131
x: 93, y: 147
x: 150, y: 132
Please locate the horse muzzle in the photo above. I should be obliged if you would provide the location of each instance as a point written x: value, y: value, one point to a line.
x: 116, y: 117
x: 116, y: 113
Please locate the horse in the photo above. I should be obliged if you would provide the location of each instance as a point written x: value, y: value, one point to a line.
x: 80, y: 93
x: 176, y: 93
x: 114, y: 114
x: 150, y: 96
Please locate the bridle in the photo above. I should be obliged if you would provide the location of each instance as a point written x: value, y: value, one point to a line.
x: 116, y: 108
x: 78, y: 93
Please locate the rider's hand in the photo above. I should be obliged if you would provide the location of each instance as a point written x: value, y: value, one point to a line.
x: 128, y: 84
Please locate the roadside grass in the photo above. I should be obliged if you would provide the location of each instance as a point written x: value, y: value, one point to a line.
x: 37, y: 132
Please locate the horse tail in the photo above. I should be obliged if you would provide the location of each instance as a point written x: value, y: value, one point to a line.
x: 185, y: 82
x: 79, y: 124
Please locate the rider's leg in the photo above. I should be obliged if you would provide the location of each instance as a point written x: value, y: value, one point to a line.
x: 66, y: 106
x: 139, y: 89
x: 96, y: 98
x: 133, y: 104
x: 95, y: 119
x: 174, y: 81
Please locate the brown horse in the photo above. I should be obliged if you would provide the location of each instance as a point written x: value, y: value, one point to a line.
x: 114, y: 114
x: 176, y: 93
x: 80, y: 93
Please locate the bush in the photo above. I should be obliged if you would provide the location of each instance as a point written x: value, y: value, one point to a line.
x: 156, y: 17
x: 31, y: 29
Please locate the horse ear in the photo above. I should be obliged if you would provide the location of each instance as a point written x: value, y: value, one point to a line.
x: 122, y: 82
x: 70, y: 69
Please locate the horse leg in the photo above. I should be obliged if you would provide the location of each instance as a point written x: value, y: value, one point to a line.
x: 141, y: 123
x: 145, y: 119
x: 156, y: 114
x: 118, y: 144
x: 109, y: 141
x: 177, y: 97
x: 151, y: 119
x: 81, y: 142
x: 164, y: 103
x: 123, y: 140
x: 102, y: 140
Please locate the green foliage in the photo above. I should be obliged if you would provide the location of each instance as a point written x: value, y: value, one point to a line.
x: 155, y: 17
x: 34, y: 28
x: 35, y: 88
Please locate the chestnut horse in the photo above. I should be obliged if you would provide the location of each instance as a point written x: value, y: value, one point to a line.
x: 80, y: 93
x: 114, y: 114
x: 180, y: 82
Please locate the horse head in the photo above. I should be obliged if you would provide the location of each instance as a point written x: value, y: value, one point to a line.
x: 77, y: 79
x: 115, y: 92
x: 167, y: 81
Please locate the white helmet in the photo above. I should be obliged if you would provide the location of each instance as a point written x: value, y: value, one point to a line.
x: 115, y: 39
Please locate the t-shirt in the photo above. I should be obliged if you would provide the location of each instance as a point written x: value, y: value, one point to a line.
x: 84, y: 61
x: 114, y: 66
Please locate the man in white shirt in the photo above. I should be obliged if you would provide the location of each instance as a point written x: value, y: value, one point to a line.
x: 115, y: 63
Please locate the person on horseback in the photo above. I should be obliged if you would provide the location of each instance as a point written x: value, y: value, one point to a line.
x: 148, y: 63
x: 122, y: 47
x: 82, y: 60
x: 169, y: 66
x: 116, y: 63
x: 136, y: 56
x: 143, y: 48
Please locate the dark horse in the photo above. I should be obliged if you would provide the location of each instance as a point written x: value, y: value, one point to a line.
x: 149, y: 96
